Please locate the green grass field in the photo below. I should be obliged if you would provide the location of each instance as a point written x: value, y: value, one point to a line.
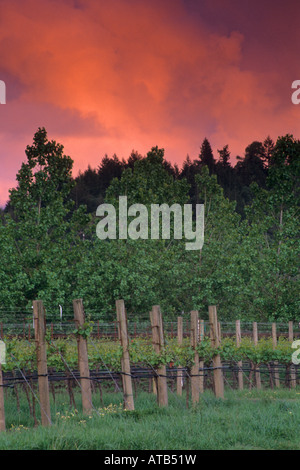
x: 266, y: 419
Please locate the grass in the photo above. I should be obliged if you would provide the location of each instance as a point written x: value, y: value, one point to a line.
x: 243, y: 420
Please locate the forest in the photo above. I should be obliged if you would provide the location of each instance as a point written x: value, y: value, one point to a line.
x: 248, y: 266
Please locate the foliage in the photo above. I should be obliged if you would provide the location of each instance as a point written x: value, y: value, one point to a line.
x: 247, y: 267
x: 85, y: 329
x: 106, y: 354
x: 42, y: 238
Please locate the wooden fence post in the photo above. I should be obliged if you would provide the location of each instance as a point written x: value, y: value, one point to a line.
x: 195, y: 368
x: 179, y: 340
x: 240, y: 363
x: 293, y: 376
x: 274, y: 341
x: 125, y: 360
x: 255, y: 340
x: 85, y: 383
x: 201, y: 363
x: 41, y: 354
x: 158, y: 344
x: 215, y: 342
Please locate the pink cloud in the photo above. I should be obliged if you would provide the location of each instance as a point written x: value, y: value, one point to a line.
x: 109, y: 77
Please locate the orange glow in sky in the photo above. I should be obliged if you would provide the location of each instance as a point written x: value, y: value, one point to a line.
x: 107, y: 77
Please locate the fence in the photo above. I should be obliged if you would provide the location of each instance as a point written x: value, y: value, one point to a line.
x: 195, y: 377
x: 138, y: 328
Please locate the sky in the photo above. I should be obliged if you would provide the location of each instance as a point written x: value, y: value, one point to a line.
x: 108, y: 77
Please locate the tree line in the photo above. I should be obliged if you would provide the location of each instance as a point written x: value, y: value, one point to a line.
x: 91, y: 185
x: 248, y: 265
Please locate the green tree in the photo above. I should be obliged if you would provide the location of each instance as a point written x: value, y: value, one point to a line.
x: 268, y: 150
x: 271, y: 248
x: 143, y: 272
x: 212, y: 276
x: 206, y: 156
x: 13, y: 280
x: 224, y: 157
x: 45, y: 233
x: 225, y: 173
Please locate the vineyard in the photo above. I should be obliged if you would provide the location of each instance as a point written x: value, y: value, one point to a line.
x: 186, y: 359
